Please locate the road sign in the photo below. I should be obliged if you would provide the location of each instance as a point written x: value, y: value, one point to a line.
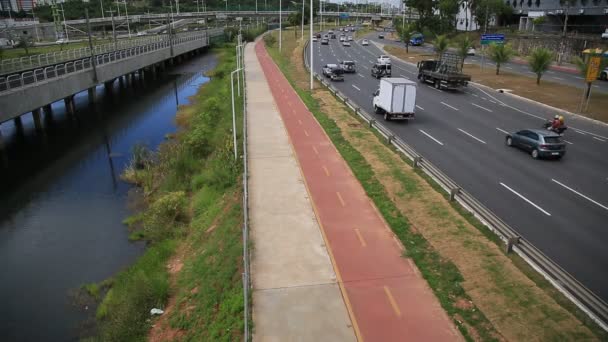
x: 488, y: 39
x: 594, y: 68
x: 344, y: 15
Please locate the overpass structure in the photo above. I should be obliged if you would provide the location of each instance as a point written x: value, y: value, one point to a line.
x: 32, y: 90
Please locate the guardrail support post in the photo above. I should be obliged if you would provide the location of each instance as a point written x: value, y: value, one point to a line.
x: 390, y: 139
x: 37, y: 122
x: 510, y: 242
x: 372, y: 122
x: 453, y: 193
x: 417, y: 161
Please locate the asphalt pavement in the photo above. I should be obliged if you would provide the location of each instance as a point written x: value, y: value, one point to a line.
x: 559, y: 206
x: 556, y: 76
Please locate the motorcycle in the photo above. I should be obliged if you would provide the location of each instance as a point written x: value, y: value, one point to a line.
x: 559, y: 130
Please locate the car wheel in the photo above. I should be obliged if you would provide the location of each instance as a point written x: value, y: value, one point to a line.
x: 386, y: 117
x: 376, y: 110
x: 535, y: 154
x: 509, y: 142
x: 438, y: 84
x: 604, y: 76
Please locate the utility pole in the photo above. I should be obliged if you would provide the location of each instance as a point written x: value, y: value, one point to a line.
x: 102, y: 14
x: 302, y: 18
x: 113, y: 28
x: 86, y: 13
x: 170, y: 31
x: 67, y: 35
x: 310, y: 46
x: 280, y: 25
x: 127, y: 14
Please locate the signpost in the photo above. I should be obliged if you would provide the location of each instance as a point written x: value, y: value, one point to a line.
x: 593, y: 69
x: 490, y: 39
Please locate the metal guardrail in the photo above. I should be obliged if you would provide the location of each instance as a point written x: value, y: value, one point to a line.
x: 43, y: 74
x: 580, y: 295
x: 41, y: 60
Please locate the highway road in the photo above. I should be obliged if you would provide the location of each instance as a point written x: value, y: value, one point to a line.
x: 559, y: 206
x: 556, y: 76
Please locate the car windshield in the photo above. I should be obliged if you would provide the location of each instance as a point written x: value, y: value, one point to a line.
x: 553, y: 140
x: 348, y: 63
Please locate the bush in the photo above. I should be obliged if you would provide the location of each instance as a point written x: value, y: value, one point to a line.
x: 270, y: 40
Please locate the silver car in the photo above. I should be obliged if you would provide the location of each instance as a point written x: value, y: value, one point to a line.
x: 540, y: 143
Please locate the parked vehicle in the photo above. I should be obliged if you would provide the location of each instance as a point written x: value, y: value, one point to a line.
x: 381, y: 36
x: 318, y: 35
x: 540, y: 143
x: 330, y: 32
x: 443, y: 73
x: 381, y: 70
x: 350, y: 38
x: 333, y: 72
x: 333, y: 36
x: 314, y: 39
x: 324, y: 41
x: 604, y: 75
x: 348, y: 66
x: 384, y: 59
x: 396, y: 99
x: 471, y: 51
x: 346, y: 44
x: 605, y: 34
x: 342, y: 38
x: 417, y: 39
x: 365, y: 42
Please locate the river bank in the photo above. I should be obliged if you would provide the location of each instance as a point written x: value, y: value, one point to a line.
x: 191, y: 223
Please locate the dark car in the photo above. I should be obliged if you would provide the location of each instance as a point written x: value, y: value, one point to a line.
x: 381, y: 36
x: 540, y: 143
x: 318, y: 35
x: 334, y: 72
x: 381, y: 70
x: 348, y: 66
x: 324, y: 41
x: 333, y: 36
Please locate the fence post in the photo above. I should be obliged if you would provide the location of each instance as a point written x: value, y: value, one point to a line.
x: 417, y: 161
x: 453, y: 193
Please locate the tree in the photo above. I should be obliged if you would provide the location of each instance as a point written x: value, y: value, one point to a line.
x: 441, y: 45
x: 462, y: 46
x: 500, y: 54
x: 294, y: 20
x: 484, y: 10
x: 24, y: 43
x: 567, y: 4
x: 405, y: 32
x: 539, y: 62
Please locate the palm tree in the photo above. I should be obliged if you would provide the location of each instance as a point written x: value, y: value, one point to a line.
x: 539, y: 62
x: 500, y: 54
x: 463, y: 46
x: 441, y: 45
x: 405, y: 34
x: 24, y: 43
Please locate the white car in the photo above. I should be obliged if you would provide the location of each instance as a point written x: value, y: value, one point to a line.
x: 384, y: 59
x: 139, y: 34
x: 365, y: 42
x: 471, y: 51
x: 346, y: 43
x: 314, y: 39
x: 350, y: 38
x: 604, y: 75
x: 61, y: 41
x: 605, y: 34
x: 342, y: 39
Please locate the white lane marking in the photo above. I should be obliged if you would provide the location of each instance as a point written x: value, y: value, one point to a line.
x: 596, y: 86
x: 402, y: 75
x: 417, y: 106
x: 508, y: 67
x: 439, y: 90
x: 525, y: 199
x: 578, y: 193
x: 475, y: 95
x: 579, y: 78
x: 354, y: 86
x: 492, y: 101
x: 363, y: 66
x: 597, y: 135
x: 447, y: 105
x: 472, y: 136
x: 579, y: 132
x: 568, y: 142
x: 550, y: 72
x: 596, y: 138
x: 557, y: 78
x: 502, y: 130
x: 370, y: 61
x: 484, y: 108
x: 361, y: 75
x: 430, y: 136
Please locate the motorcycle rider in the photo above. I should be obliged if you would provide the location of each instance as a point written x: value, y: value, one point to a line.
x: 556, y: 123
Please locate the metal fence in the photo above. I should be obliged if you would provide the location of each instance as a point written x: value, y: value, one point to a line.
x: 43, y: 74
x: 584, y: 298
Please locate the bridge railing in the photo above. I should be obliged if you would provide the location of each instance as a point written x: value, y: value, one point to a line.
x: 43, y: 74
x: 41, y: 60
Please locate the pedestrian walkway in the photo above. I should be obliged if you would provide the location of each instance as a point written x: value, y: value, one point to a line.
x: 295, y: 292
x: 387, y: 298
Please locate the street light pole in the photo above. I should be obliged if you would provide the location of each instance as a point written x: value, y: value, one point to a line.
x: 127, y: 14
x: 303, y: 19
x: 113, y: 29
x: 280, y: 25
x: 310, y: 46
x: 65, y: 25
x: 102, y: 15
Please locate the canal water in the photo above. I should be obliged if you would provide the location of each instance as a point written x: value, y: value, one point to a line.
x: 62, y: 202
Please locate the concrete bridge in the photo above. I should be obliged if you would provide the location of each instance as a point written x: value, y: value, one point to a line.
x: 35, y: 90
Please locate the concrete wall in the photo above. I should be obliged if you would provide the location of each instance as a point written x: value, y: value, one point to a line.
x: 16, y: 102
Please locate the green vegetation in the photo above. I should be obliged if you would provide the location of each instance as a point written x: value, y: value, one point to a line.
x: 539, y: 62
x: 405, y: 32
x: 192, y: 225
x: 500, y: 54
x: 463, y: 44
x: 441, y: 45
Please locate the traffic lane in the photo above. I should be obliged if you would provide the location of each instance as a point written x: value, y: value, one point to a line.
x: 555, y: 76
x: 427, y: 148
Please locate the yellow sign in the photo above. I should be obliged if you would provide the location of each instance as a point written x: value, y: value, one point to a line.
x: 594, y: 68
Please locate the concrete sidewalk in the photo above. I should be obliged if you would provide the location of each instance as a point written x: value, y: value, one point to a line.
x: 295, y: 293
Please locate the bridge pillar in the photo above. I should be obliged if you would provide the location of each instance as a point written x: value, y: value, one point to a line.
x: 92, y: 95
x: 108, y: 86
x: 3, y: 154
x: 48, y: 109
x: 142, y: 74
x: 153, y: 69
x: 69, y: 105
x: 18, y: 124
x: 37, y: 122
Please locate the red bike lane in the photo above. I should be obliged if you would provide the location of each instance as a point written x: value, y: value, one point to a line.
x: 387, y: 298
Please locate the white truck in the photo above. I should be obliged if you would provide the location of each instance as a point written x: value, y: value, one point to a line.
x: 396, y: 98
